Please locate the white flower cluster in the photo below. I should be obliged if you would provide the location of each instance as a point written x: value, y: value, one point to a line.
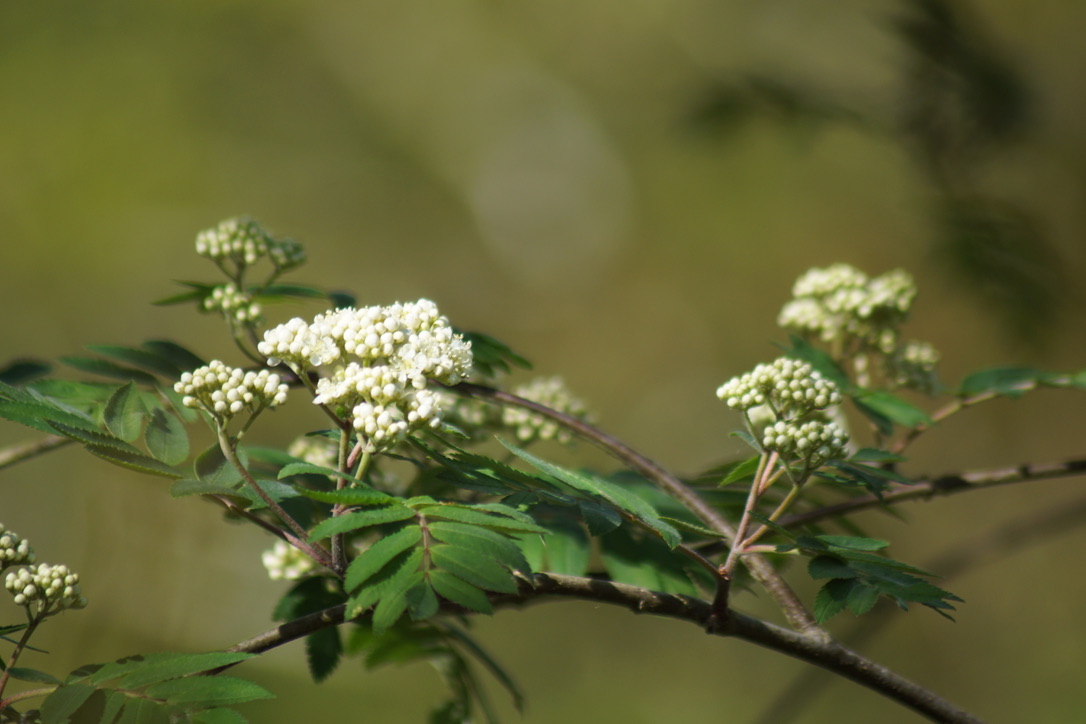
x: 14, y: 551
x: 815, y: 442
x: 49, y: 589
x: 382, y: 359
x: 913, y: 366
x: 549, y: 391
x: 225, y: 391
x: 840, y: 303
x: 285, y: 562
x: 243, y: 241
x: 787, y: 398
x: 315, y: 450
x: 791, y: 388
x: 236, y: 305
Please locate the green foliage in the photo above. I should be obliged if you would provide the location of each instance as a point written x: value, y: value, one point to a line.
x: 152, y: 688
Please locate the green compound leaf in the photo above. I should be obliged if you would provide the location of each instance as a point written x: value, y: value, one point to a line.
x: 208, y: 691
x: 145, y: 359
x: 742, y: 470
x: 820, y: 360
x: 59, y: 706
x: 178, y: 356
x: 33, y: 675
x: 124, y: 413
x: 348, y: 496
x: 832, y: 599
x: 323, y: 650
x: 460, y: 592
x: 138, y: 671
x: 374, y: 558
x: 566, y: 550
x: 361, y: 519
x: 19, y: 372
x: 134, y: 461
x: 212, y: 468
x: 852, y: 543
x: 632, y: 556
x: 489, y: 516
x: 886, y: 410
x: 490, y: 356
x: 1007, y: 381
x: 480, y: 541
x: 617, y: 496
x: 480, y: 571
x: 829, y: 567
x: 107, y: 368
x: 166, y: 437
x: 274, y: 292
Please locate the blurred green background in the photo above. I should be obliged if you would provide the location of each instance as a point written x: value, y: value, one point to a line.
x: 624, y: 192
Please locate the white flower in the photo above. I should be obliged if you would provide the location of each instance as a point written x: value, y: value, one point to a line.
x: 553, y: 393
x: 242, y: 242
x: 791, y: 388
x: 48, y: 589
x: 226, y: 391
x: 840, y: 303
x: 285, y: 562
x: 379, y: 362
x: 14, y: 551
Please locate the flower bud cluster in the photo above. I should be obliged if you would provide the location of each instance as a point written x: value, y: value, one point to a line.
x: 913, y: 366
x: 787, y: 399
x: 840, y: 303
x: 381, y: 360
x: 816, y: 442
x: 790, y: 387
x: 285, y: 562
x: 226, y: 391
x: 242, y: 241
x: 553, y: 393
x: 237, y: 306
x: 14, y: 551
x: 45, y: 588
x: 315, y: 450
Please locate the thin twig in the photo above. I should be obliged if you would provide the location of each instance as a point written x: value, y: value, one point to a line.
x: 950, y: 484
x: 1010, y: 537
x: 26, y: 450
x: 299, y: 536
x: 809, y: 648
x: 794, y: 610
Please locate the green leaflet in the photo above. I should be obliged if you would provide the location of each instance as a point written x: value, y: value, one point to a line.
x: 1007, y: 381
x: 887, y: 410
x: 459, y: 592
x: 348, y: 496
x: 162, y: 687
x: 508, y: 520
x: 148, y: 359
x: 360, y: 519
x: 124, y: 412
x: 108, y: 368
x: 374, y: 558
x: 166, y: 438
x: 617, y: 496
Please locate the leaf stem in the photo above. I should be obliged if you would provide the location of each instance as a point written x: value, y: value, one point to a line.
x: 17, y: 652
x: 789, y: 603
x: 807, y: 647
x: 298, y: 540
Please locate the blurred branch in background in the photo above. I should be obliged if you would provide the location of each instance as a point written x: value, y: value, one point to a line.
x: 960, y: 102
x: 1013, y: 536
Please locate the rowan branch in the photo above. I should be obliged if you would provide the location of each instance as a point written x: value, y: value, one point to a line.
x: 951, y: 484
x: 794, y: 610
x: 812, y: 649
